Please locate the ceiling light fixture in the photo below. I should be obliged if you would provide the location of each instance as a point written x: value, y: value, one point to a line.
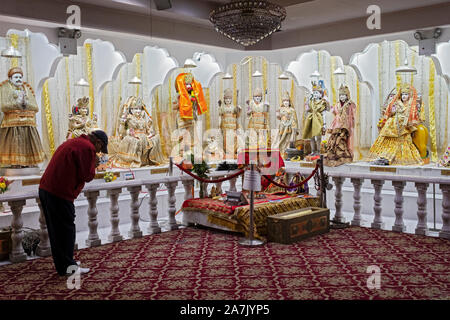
x: 11, y: 52
x: 82, y: 83
x: 227, y: 76
x: 247, y: 22
x: 189, y: 63
x: 406, y: 69
x: 283, y: 76
x: 135, y: 80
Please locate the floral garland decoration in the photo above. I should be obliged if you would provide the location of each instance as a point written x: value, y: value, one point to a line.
x: 109, y: 176
x: 4, y: 183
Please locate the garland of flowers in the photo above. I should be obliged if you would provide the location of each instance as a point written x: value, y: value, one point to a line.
x: 4, y: 183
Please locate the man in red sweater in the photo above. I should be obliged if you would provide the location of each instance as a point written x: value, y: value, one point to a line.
x: 72, y: 165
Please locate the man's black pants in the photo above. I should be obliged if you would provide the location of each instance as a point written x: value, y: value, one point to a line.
x: 60, y: 217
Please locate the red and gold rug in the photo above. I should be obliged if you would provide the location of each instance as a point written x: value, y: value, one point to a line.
x: 203, y: 264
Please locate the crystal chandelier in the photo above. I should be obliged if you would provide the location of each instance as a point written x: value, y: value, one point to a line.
x: 247, y: 22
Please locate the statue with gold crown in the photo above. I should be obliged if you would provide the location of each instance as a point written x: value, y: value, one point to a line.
x: 339, y: 148
x: 79, y: 120
x: 399, y: 123
x: 287, y: 128
x: 137, y: 144
x: 313, y: 126
x: 189, y: 104
x: 229, y: 122
x: 19, y: 139
x: 258, y: 119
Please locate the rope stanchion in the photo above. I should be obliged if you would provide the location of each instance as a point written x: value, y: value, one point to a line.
x: 209, y: 180
x: 281, y: 185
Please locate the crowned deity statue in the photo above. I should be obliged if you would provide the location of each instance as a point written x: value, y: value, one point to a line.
x: 19, y: 139
x: 229, y: 122
x: 258, y: 119
x: 313, y: 127
x: 189, y: 104
x: 288, y: 126
x: 398, y: 124
x: 79, y: 120
x: 138, y: 144
x: 339, y: 148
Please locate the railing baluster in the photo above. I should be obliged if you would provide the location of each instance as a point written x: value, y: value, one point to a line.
x: 135, y: 231
x: 399, y: 225
x: 338, y: 216
x: 233, y: 184
x: 445, y: 231
x: 93, y: 239
x: 115, y: 235
x: 357, y: 183
x: 171, y: 186
x: 377, y: 221
x: 422, y: 227
x: 188, y: 185
x: 153, y: 208
x: 43, y: 248
x: 17, y: 253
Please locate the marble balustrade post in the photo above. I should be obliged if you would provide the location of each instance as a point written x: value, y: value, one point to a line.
x: 43, y: 249
x: 171, y: 186
x: 377, y: 221
x: 93, y: 239
x: 153, y: 227
x: 17, y: 253
x: 135, y: 231
x: 445, y: 231
x: 422, y: 227
x: 338, y: 216
x: 113, y: 195
x: 357, y: 183
x: 399, y: 225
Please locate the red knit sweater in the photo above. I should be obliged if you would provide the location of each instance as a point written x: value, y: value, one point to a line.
x: 72, y: 165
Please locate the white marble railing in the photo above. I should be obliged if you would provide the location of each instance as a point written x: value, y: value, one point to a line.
x: 377, y: 180
x: 17, y: 201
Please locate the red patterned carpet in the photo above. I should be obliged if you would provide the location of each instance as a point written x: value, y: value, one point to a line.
x: 203, y: 264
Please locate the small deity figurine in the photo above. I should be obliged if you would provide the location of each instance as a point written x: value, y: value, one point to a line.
x: 138, y: 143
x: 313, y: 128
x: 400, y: 120
x: 339, y: 148
x: 189, y: 104
x: 79, y: 120
x: 445, y: 161
x: 229, y: 122
x: 258, y: 114
x: 287, y: 128
x: 213, y: 152
x: 19, y: 139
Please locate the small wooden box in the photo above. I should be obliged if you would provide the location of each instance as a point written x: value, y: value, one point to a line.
x: 292, y: 226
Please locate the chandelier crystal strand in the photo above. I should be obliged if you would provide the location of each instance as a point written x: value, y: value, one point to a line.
x: 248, y: 22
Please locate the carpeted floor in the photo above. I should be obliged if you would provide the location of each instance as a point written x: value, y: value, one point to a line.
x: 205, y: 264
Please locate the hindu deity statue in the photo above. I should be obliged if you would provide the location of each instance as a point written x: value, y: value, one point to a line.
x: 258, y: 119
x: 313, y: 127
x: 229, y: 122
x: 339, y: 148
x: 138, y: 144
x: 189, y: 104
x: 400, y: 120
x: 19, y: 139
x: 79, y: 120
x: 287, y: 128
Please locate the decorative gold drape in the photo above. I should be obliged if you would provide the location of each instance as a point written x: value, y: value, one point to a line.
x: 88, y: 48
x: 434, y: 156
x: 48, y: 117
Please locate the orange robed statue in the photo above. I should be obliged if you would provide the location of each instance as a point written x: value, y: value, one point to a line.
x: 190, y: 103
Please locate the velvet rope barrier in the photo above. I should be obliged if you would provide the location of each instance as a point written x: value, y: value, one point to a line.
x: 281, y: 185
x: 208, y: 180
